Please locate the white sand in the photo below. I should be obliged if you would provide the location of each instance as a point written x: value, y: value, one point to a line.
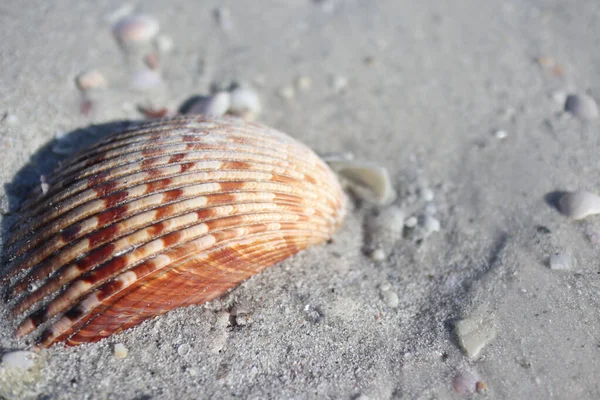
x: 442, y: 77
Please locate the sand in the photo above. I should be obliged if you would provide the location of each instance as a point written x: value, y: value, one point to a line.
x: 421, y: 88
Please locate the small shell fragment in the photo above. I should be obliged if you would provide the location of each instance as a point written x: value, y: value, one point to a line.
x: 134, y: 29
x: 579, y: 205
x: 92, y: 79
x: 474, y: 333
x: 561, y: 261
x: 21, y: 359
x: 244, y: 102
x: 367, y: 180
x: 146, y: 79
x: 120, y: 350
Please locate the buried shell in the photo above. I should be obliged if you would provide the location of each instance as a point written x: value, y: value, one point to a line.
x: 168, y: 214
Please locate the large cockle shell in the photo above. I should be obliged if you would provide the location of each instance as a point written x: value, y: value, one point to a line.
x: 164, y: 215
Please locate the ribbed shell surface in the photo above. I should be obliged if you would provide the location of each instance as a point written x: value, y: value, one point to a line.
x: 167, y: 214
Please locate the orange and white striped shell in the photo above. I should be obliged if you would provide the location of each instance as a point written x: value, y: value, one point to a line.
x: 168, y: 214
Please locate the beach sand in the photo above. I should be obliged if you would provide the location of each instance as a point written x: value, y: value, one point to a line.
x: 461, y: 101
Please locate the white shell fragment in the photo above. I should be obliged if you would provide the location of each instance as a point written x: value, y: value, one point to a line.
x: 134, y: 29
x: 367, y: 180
x: 561, y: 261
x: 390, y: 298
x: 384, y: 230
x: 582, y: 106
x: 19, y: 360
x: 244, y: 102
x: 216, y: 105
x: 120, y: 350
x: 579, y: 205
x: 92, y: 79
x: 474, y: 334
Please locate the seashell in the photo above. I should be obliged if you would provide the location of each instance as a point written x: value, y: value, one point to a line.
x: 215, y: 105
x: 164, y: 215
x: 133, y: 29
x: 92, y: 79
x: 579, y: 205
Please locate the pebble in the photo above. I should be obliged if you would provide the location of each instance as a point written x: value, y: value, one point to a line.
x: 339, y: 83
x: 164, y: 44
x: 390, y: 298
x: 136, y: 28
x: 91, y: 79
x: 561, y: 261
x: 500, y: 134
x: 378, y: 255
x: 430, y: 225
x: 303, y: 82
x: 474, y: 333
x: 411, y: 222
x: 287, y: 93
x: 244, y: 102
x: 146, y: 79
x: 183, y: 349
x: 120, y: 350
x: 579, y: 204
x: 20, y: 359
x: 215, y: 105
x: 582, y: 106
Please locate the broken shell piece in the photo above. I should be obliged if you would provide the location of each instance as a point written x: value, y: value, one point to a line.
x: 580, y: 204
x: 384, y: 230
x: 474, y: 333
x: 561, y: 261
x: 216, y: 105
x: 91, y: 79
x: 120, y: 350
x: 134, y: 29
x: 19, y: 360
x: 244, y: 102
x: 367, y: 180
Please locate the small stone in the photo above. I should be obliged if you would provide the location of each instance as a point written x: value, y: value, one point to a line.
x: 430, y: 225
x: 559, y: 97
x: 580, y: 204
x: 303, y: 82
x: 146, y: 79
x: 464, y: 382
x: 120, y: 350
x: 339, y: 83
x: 287, y: 92
x: 474, y: 333
x: 500, y: 134
x: 20, y: 359
x: 561, y: 261
x: 378, y: 255
x: 92, y: 79
x: 137, y: 28
x: 245, y: 102
x: 164, y: 44
x: 193, y: 372
x: 427, y: 194
x: 10, y: 119
x: 390, y: 298
x: 183, y: 349
x: 216, y: 105
x: 411, y: 222
x: 481, y: 387
x: 582, y: 106
x: 243, y: 319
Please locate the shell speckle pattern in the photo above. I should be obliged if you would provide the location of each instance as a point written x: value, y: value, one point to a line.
x: 164, y: 215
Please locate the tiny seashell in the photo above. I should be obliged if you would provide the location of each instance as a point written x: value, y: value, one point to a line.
x: 163, y: 215
x: 582, y: 106
x: 367, y: 180
x: 244, y: 102
x: 133, y: 29
x: 92, y: 79
x: 579, y: 205
x: 216, y: 105
x: 120, y: 350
